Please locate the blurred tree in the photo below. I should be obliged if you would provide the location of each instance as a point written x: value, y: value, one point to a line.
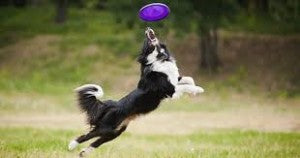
x: 209, y: 16
x: 255, y: 5
x: 77, y: 3
x: 278, y: 9
x: 4, y: 2
x: 19, y: 3
x: 284, y: 9
x: 89, y: 4
x: 61, y: 11
x: 98, y: 4
x: 126, y: 11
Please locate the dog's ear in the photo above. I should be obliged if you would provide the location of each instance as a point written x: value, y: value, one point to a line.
x: 141, y: 59
x: 146, y: 50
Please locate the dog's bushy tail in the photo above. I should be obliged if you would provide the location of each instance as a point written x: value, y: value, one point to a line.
x: 88, y: 98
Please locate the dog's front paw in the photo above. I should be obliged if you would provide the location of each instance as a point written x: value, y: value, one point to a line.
x: 197, y: 90
x: 86, y: 151
x: 72, y: 145
x: 187, y: 80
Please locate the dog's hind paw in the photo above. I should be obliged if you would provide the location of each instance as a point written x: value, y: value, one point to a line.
x: 86, y: 151
x: 72, y: 145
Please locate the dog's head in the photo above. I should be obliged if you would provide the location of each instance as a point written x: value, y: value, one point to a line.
x: 153, y: 50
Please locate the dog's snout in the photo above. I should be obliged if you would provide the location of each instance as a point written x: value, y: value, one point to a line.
x: 150, y: 33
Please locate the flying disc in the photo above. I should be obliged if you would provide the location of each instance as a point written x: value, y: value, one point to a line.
x: 154, y: 12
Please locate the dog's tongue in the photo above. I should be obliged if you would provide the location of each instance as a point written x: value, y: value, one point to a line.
x: 151, y: 35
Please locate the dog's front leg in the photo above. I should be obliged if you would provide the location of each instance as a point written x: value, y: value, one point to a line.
x: 186, y: 88
x: 186, y: 80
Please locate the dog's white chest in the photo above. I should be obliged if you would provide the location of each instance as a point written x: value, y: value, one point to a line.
x: 169, y: 68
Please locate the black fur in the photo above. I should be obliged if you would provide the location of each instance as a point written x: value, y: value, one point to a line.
x: 106, y: 117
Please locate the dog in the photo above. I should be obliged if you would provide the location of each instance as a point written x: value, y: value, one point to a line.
x: 159, y: 79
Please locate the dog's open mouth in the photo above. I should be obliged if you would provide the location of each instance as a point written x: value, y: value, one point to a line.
x: 150, y: 34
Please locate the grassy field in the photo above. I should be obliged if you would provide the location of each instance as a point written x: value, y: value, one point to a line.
x: 34, y: 125
x: 30, y: 142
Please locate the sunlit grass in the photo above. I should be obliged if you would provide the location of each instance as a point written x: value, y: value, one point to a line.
x: 30, y: 142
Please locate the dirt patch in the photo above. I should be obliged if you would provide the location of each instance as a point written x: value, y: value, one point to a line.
x: 25, y: 49
x: 183, y: 122
x: 22, y: 56
x: 170, y: 122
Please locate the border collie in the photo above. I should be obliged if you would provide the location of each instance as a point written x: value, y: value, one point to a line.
x: 159, y: 79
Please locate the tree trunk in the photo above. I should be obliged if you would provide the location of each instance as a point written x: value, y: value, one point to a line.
x: 19, y: 3
x: 102, y: 4
x: 61, y: 11
x: 264, y: 6
x: 209, y: 50
x: 258, y: 5
x: 4, y: 2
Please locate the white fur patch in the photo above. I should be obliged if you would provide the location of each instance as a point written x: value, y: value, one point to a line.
x: 151, y: 58
x: 169, y: 68
x: 73, y: 144
x: 98, y: 94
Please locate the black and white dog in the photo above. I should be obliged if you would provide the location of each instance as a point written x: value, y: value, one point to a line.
x: 159, y: 79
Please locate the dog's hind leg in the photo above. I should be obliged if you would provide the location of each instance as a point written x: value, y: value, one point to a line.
x: 105, y: 137
x: 74, y: 143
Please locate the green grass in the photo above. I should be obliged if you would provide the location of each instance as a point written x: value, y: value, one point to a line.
x: 31, y: 142
x: 75, y: 51
x: 82, y: 27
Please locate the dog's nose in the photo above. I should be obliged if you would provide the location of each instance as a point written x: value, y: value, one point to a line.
x: 148, y: 29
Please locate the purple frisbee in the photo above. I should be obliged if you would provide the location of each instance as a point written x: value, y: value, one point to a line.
x: 154, y: 12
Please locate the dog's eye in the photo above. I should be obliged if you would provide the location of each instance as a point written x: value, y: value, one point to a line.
x: 94, y: 89
x: 162, y: 50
